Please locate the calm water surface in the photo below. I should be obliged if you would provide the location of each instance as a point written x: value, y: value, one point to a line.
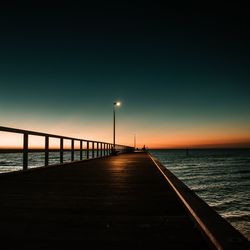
x: 13, y: 161
x: 220, y: 177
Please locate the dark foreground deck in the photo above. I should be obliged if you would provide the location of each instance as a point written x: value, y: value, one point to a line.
x: 120, y: 202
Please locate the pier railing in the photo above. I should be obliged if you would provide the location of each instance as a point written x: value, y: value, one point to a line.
x: 93, y: 149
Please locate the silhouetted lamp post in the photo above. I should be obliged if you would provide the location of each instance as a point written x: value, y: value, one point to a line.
x: 115, y: 104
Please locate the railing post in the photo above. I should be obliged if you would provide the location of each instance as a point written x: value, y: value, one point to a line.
x: 101, y: 149
x: 80, y: 150
x: 93, y: 150
x: 87, y: 150
x: 61, y: 150
x: 97, y: 149
x: 46, y: 150
x: 72, y: 150
x: 25, y: 150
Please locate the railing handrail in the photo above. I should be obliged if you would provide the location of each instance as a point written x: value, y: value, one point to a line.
x: 102, y: 148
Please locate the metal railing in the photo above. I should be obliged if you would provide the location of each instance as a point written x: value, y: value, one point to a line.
x: 94, y: 149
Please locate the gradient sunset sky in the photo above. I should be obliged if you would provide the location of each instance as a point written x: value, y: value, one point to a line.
x: 182, y: 74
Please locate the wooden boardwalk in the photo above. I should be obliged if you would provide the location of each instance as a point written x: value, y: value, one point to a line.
x: 120, y: 202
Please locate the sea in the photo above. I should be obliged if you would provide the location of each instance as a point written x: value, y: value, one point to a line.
x: 221, y: 177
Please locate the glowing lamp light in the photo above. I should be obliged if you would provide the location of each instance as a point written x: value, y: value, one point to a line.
x: 117, y: 104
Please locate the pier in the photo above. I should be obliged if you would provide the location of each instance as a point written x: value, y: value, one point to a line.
x: 127, y: 201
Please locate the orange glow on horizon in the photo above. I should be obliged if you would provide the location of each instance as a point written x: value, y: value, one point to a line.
x: 14, y: 141
x: 163, y: 137
x: 197, y: 142
x: 205, y: 144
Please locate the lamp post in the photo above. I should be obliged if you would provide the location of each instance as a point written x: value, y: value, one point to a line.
x: 115, y: 104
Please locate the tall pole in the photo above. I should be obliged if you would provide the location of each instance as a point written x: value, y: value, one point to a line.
x: 114, y: 126
x: 134, y: 140
x: 115, y: 104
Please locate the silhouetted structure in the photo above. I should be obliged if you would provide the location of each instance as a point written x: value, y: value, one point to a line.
x: 93, y: 149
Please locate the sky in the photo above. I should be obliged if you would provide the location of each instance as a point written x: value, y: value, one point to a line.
x: 181, y: 73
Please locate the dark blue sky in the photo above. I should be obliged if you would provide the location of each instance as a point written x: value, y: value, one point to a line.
x: 180, y: 72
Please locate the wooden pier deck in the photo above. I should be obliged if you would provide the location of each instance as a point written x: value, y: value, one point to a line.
x: 119, y: 202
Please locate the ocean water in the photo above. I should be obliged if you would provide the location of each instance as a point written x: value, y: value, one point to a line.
x: 220, y: 177
x: 13, y: 161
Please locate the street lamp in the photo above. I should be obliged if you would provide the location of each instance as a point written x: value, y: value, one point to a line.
x: 115, y: 104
